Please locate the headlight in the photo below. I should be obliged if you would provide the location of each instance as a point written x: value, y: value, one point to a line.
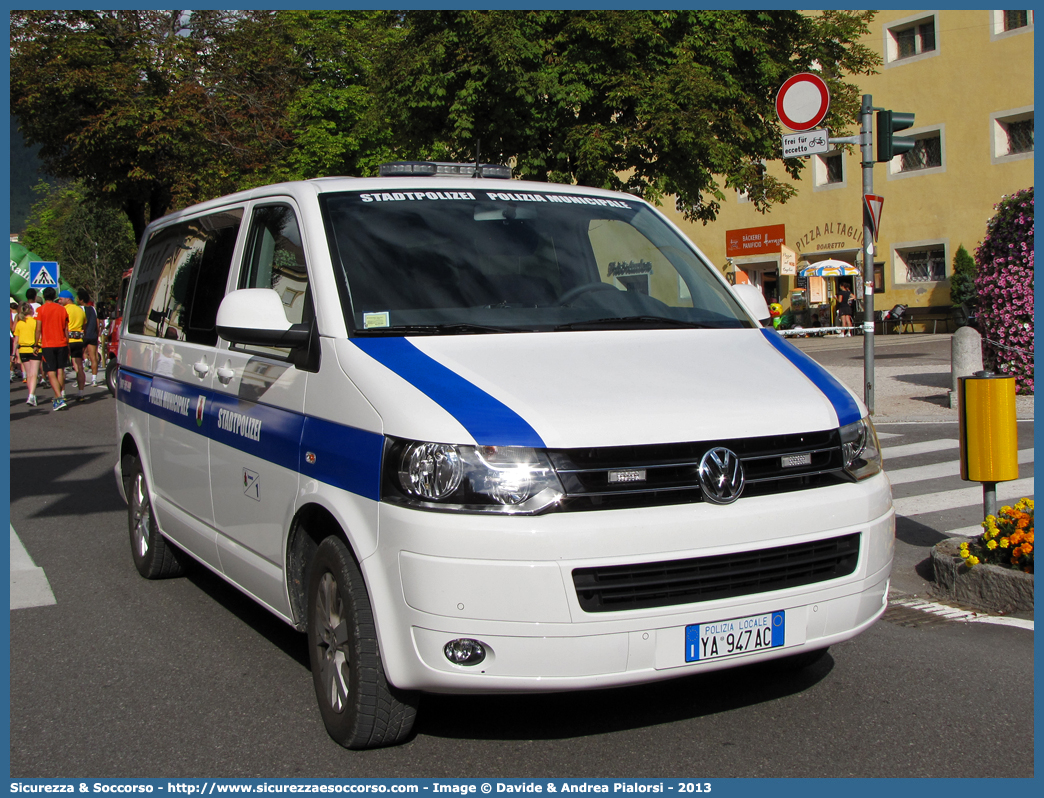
x: 860, y: 448
x: 469, y: 479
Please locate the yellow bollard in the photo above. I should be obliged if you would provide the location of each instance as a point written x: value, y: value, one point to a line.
x: 989, y: 434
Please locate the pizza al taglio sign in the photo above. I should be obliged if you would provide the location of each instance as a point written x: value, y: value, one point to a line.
x: 830, y: 234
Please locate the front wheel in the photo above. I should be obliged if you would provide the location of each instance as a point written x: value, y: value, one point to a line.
x: 359, y: 708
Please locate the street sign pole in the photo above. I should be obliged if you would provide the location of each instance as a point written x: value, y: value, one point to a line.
x: 866, y: 113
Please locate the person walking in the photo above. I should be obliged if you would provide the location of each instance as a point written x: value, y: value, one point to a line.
x: 77, y: 320
x: 15, y: 363
x: 90, y: 333
x: 25, y: 333
x: 844, y: 308
x: 52, y: 342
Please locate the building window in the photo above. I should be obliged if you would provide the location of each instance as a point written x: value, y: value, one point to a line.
x: 1020, y: 136
x: 910, y: 39
x: 829, y: 169
x: 833, y: 168
x: 915, y: 40
x: 926, y: 154
x: 1008, y: 23
x: 924, y: 265
x: 1015, y: 19
x: 1012, y: 134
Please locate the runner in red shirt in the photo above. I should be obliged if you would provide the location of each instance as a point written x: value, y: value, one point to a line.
x: 52, y: 341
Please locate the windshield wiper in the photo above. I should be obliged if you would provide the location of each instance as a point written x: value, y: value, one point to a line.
x: 459, y: 328
x: 634, y: 323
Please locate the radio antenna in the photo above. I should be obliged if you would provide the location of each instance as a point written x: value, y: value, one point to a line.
x: 478, y: 149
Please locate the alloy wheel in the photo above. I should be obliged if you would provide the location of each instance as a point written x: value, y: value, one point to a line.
x: 333, y: 642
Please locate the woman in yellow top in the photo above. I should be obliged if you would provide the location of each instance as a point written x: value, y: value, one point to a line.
x: 28, y: 354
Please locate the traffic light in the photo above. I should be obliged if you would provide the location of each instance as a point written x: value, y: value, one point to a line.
x: 888, y: 144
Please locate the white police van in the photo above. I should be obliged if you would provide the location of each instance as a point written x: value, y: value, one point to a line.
x: 481, y: 435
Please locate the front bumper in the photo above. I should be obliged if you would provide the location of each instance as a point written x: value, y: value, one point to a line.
x: 508, y: 583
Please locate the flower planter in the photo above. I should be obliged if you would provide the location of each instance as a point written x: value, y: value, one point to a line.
x: 989, y: 588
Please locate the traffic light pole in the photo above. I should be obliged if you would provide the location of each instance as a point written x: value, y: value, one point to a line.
x: 866, y: 148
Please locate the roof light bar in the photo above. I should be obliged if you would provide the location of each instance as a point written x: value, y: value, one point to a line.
x: 443, y: 169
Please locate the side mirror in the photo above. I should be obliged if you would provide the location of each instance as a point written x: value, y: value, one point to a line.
x: 255, y: 317
x: 752, y: 299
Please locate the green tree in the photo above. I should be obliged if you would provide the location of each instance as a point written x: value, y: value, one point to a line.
x: 962, y: 281
x: 337, y: 119
x: 650, y: 102
x: 152, y: 110
x: 93, y: 243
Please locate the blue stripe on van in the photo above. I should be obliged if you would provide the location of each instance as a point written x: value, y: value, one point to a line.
x: 844, y: 405
x: 490, y: 421
x: 345, y: 457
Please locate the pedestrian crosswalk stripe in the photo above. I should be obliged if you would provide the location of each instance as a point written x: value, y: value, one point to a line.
x: 910, y: 506
x: 950, y: 468
x: 955, y: 614
x: 29, y: 585
x: 923, y: 447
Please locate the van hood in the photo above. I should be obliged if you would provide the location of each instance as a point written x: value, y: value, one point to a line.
x: 603, y: 388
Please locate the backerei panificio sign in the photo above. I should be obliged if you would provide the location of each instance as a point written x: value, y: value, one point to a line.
x: 754, y: 240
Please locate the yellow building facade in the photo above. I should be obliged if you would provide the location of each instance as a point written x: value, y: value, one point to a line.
x: 968, y: 78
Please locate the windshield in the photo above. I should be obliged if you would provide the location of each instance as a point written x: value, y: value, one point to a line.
x: 442, y: 262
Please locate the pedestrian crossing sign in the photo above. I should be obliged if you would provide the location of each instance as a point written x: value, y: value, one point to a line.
x: 43, y: 274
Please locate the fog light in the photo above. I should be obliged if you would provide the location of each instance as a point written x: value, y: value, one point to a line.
x: 464, y: 651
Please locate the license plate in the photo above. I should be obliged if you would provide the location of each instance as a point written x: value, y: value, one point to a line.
x: 704, y: 641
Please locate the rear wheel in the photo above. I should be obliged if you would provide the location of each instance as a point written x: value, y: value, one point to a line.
x: 153, y: 556
x: 359, y: 708
x: 111, y: 372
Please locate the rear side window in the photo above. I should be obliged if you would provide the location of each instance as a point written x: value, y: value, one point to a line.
x: 182, y: 278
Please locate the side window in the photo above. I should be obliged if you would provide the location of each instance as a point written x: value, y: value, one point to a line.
x: 275, y: 259
x: 182, y: 277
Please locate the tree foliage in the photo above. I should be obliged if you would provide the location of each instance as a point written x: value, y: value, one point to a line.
x: 93, y: 243
x: 962, y: 281
x: 650, y: 102
x: 152, y: 110
x: 338, y: 119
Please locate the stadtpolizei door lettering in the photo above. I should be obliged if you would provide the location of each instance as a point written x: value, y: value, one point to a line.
x: 755, y: 240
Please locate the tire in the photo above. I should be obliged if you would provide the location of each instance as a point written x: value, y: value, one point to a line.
x: 359, y: 708
x: 154, y: 557
x: 112, y: 371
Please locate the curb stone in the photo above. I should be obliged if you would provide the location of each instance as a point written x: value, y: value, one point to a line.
x: 986, y: 587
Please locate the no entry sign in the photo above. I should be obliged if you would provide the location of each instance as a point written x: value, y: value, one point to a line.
x: 803, y: 101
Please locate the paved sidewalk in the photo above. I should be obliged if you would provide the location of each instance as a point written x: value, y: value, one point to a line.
x: 912, y: 390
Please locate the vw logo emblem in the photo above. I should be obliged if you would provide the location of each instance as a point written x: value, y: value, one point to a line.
x: 721, y: 476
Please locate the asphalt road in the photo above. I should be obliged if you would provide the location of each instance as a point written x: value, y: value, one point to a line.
x: 124, y: 677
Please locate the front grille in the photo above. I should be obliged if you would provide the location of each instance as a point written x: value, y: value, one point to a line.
x: 662, y: 474
x: 663, y: 584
